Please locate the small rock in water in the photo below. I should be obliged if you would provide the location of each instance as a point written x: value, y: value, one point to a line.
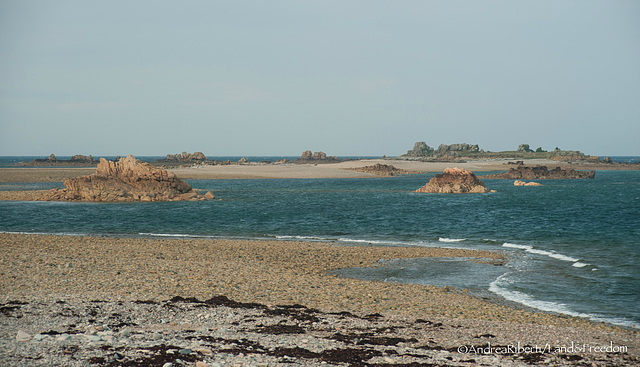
x: 22, y: 336
x: 168, y: 364
x: 201, y: 364
x: 185, y: 351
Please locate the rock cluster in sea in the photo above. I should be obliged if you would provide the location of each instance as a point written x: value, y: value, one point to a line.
x: 381, y: 170
x: 540, y: 173
x: 454, y: 181
x: 77, y: 160
x: 186, y: 157
x: 128, y: 179
x: 307, y: 155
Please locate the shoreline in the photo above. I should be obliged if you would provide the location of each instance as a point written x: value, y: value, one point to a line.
x: 67, y: 255
x: 41, y: 271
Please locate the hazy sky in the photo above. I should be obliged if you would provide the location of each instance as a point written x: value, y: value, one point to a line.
x: 345, y: 77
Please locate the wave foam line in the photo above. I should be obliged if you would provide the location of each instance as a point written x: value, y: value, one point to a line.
x: 532, y: 250
x: 444, y: 239
x: 348, y: 240
x: 304, y: 238
x: 176, y: 235
x: 548, y: 306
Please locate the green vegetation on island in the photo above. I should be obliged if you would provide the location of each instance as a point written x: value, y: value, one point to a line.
x: 455, y: 152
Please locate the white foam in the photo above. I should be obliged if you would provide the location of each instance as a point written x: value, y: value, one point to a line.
x: 513, y: 245
x: 442, y: 239
x: 578, y: 264
x: 551, y: 254
x: 175, y: 235
x: 526, y: 299
x: 563, y: 257
x: 497, y: 287
x: 304, y: 238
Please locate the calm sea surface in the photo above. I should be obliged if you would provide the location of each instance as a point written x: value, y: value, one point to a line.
x: 574, y: 245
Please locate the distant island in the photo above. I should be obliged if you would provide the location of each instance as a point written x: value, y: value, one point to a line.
x: 463, y: 151
x: 454, y: 153
x: 77, y: 160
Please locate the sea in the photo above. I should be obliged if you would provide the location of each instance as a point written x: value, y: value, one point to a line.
x: 573, y: 246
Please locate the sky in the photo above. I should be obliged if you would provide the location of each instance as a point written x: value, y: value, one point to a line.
x: 347, y: 78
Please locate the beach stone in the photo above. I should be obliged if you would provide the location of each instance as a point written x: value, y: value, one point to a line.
x: 94, y: 338
x: 63, y: 337
x: 205, y: 351
x: 22, y: 336
x: 39, y: 337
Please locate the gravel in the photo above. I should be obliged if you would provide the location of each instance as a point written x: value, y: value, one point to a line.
x: 101, y: 301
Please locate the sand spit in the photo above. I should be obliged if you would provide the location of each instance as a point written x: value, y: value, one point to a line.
x: 70, y: 300
x: 292, y: 170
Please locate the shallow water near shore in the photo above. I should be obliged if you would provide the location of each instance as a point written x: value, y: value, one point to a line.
x: 573, y: 244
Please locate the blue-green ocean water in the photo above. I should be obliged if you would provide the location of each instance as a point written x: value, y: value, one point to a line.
x: 573, y: 245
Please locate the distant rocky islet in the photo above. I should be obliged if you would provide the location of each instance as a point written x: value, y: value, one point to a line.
x: 522, y: 172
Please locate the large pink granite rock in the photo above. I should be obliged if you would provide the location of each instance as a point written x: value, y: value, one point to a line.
x: 454, y: 181
x: 128, y: 179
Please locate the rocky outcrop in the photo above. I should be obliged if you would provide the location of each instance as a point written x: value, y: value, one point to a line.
x: 522, y: 183
x: 540, y: 173
x: 185, y: 157
x: 308, y: 156
x: 128, y: 179
x: 420, y: 149
x: 524, y: 148
x: 454, y: 181
x: 456, y: 149
x: 381, y: 170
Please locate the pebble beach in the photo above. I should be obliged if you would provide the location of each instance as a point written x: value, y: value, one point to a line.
x: 81, y: 300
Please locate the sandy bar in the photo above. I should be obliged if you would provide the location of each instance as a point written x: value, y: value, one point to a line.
x: 42, y: 174
x: 331, y: 170
x: 292, y: 170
